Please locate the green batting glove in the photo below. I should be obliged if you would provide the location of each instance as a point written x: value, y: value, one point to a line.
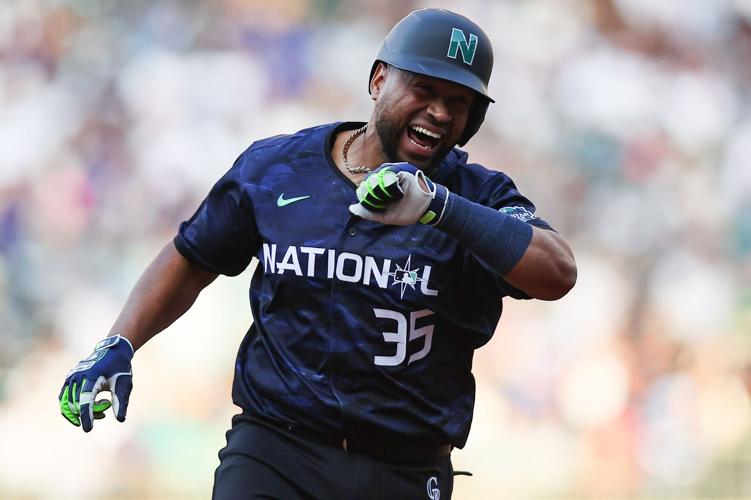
x: 106, y: 369
x: 70, y: 406
x: 379, y: 189
x: 422, y: 200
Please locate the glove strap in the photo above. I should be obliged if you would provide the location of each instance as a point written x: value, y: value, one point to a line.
x: 437, y: 206
x: 112, y: 342
x: 100, y: 349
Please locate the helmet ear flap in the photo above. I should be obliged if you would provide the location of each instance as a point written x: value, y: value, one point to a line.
x: 476, y: 117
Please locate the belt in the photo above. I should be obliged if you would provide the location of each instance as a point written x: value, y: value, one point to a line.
x: 385, y: 449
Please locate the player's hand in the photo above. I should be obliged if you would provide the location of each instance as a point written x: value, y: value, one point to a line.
x: 380, y: 188
x: 106, y: 369
x: 421, y: 199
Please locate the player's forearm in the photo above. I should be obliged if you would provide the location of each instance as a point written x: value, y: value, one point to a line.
x: 536, y: 261
x: 165, y: 290
x: 547, y: 270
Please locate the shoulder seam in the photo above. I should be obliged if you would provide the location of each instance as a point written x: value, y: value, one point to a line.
x: 279, y: 139
x: 492, y: 175
x: 271, y: 143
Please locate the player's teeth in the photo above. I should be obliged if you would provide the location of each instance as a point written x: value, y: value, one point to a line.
x: 426, y: 132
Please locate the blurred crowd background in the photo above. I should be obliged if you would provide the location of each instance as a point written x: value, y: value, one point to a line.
x: 628, y: 122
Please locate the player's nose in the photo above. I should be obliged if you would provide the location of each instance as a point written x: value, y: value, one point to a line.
x: 439, y: 111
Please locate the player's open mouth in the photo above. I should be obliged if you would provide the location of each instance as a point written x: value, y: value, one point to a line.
x: 422, y: 140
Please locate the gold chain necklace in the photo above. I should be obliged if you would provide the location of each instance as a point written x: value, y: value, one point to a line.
x: 345, y: 149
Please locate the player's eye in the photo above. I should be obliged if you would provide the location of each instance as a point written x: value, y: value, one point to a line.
x: 460, y: 104
x: 422, y: 88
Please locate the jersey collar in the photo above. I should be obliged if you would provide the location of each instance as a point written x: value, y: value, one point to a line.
x: 441, y: 172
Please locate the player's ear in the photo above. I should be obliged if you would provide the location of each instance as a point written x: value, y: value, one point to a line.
x: 379, y: 78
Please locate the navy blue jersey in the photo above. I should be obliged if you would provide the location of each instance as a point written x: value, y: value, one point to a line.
x: 358, y: 327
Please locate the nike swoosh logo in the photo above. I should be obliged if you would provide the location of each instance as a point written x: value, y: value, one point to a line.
x: 281, y: 202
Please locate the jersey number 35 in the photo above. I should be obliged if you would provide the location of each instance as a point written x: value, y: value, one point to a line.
x: 400, y: 337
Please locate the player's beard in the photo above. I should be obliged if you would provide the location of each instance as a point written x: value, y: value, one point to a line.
x: 390, y: 135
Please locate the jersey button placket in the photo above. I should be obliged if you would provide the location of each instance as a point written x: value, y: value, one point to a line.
x: 338, y: 382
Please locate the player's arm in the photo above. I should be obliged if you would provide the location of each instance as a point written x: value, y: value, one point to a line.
x: 163, y: 293
x: 220, y: 238
x: 547, y: 269
x: 537, y: 261
x: 166, y: 289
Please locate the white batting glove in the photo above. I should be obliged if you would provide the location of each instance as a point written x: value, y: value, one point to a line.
x: 416, y: 203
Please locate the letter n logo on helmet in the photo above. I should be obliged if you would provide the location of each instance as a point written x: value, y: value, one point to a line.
x: 459, y: 42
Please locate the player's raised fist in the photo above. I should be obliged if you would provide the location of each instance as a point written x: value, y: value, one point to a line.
x: 420, y: 199
x: 380, y: 188
x: 106, y: 369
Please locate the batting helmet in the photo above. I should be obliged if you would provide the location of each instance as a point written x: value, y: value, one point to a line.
x: 442, y: 44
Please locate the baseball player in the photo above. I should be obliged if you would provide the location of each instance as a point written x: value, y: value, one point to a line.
x: 383, y: 260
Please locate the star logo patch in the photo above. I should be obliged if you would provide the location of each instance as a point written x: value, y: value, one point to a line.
x: 405, y: 276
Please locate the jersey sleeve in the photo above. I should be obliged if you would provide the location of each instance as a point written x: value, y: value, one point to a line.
x: 222, y: 236
x: 500, y: 192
